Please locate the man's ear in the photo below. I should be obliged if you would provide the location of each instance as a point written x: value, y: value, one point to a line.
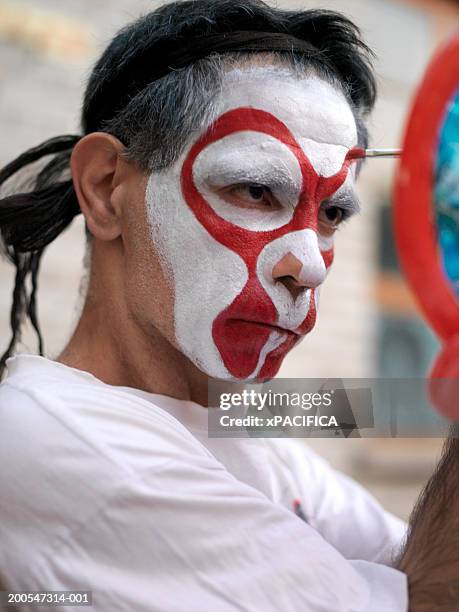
x: 94, y: 163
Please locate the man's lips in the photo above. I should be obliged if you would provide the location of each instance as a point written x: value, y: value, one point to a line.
x: 249, y: 323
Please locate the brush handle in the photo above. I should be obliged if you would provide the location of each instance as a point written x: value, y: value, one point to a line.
x: 383, y: 152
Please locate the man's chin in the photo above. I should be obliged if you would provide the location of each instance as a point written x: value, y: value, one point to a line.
x: 265, y: 370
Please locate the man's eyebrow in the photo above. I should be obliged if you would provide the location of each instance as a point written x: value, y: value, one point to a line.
x: 274, y: 175
x: 347, y: 200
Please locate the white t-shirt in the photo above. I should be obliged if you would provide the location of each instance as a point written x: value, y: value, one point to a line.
x: 121, y: 492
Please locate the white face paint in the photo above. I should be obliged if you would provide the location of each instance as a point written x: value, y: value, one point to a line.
x: 233, y: 318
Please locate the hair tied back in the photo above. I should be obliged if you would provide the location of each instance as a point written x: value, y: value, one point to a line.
x: 42, y: 204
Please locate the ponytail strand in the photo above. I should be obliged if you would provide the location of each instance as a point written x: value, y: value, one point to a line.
x: 29, y: 221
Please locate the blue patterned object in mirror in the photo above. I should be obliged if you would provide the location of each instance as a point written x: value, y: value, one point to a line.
x: 447, y: 193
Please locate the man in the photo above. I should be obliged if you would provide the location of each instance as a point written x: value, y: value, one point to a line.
x: 218, y: 159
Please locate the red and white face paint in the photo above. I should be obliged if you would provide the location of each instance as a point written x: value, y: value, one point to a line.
x: 233, y: 318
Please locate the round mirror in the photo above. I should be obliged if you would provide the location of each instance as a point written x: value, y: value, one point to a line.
x: 426, y: 215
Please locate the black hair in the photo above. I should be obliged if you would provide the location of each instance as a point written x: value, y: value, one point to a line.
x: 153, y: 104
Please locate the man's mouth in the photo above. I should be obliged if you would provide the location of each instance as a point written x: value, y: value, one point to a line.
x: 249, y: 325
x: 249, y: 338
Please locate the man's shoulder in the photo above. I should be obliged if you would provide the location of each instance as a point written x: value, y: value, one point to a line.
x: 68, y: 448
x: 51, y: 412
x: 39, y: 391
x: 48, y: 470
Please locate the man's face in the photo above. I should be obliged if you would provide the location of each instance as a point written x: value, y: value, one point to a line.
x: 243, y: 222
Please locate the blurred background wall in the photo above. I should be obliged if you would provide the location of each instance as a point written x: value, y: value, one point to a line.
x: 368, y: 324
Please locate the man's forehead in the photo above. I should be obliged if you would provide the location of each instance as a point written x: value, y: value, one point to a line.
x: 310, y: 107
x: 315, y: 113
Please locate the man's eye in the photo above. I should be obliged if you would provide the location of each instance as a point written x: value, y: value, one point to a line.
x: 251, y: 195
x: 330, y: 217
x: 256, y: 192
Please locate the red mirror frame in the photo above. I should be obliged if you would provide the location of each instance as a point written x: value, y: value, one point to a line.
x: 415, y: 225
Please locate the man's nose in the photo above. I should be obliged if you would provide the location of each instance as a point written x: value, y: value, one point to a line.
x: 298, y: 276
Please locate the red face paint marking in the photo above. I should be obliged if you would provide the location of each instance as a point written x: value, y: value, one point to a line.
x: 235, y: 331
x: 328, y: 256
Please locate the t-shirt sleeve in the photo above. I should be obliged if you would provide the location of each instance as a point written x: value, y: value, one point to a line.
x: 172, y: 530
x: 340, y: 509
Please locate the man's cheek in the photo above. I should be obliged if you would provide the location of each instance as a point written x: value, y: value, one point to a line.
x: 206, y: 276
x: 327, y: 248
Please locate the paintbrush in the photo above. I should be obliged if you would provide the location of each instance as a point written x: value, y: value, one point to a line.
x: 383, y: 152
